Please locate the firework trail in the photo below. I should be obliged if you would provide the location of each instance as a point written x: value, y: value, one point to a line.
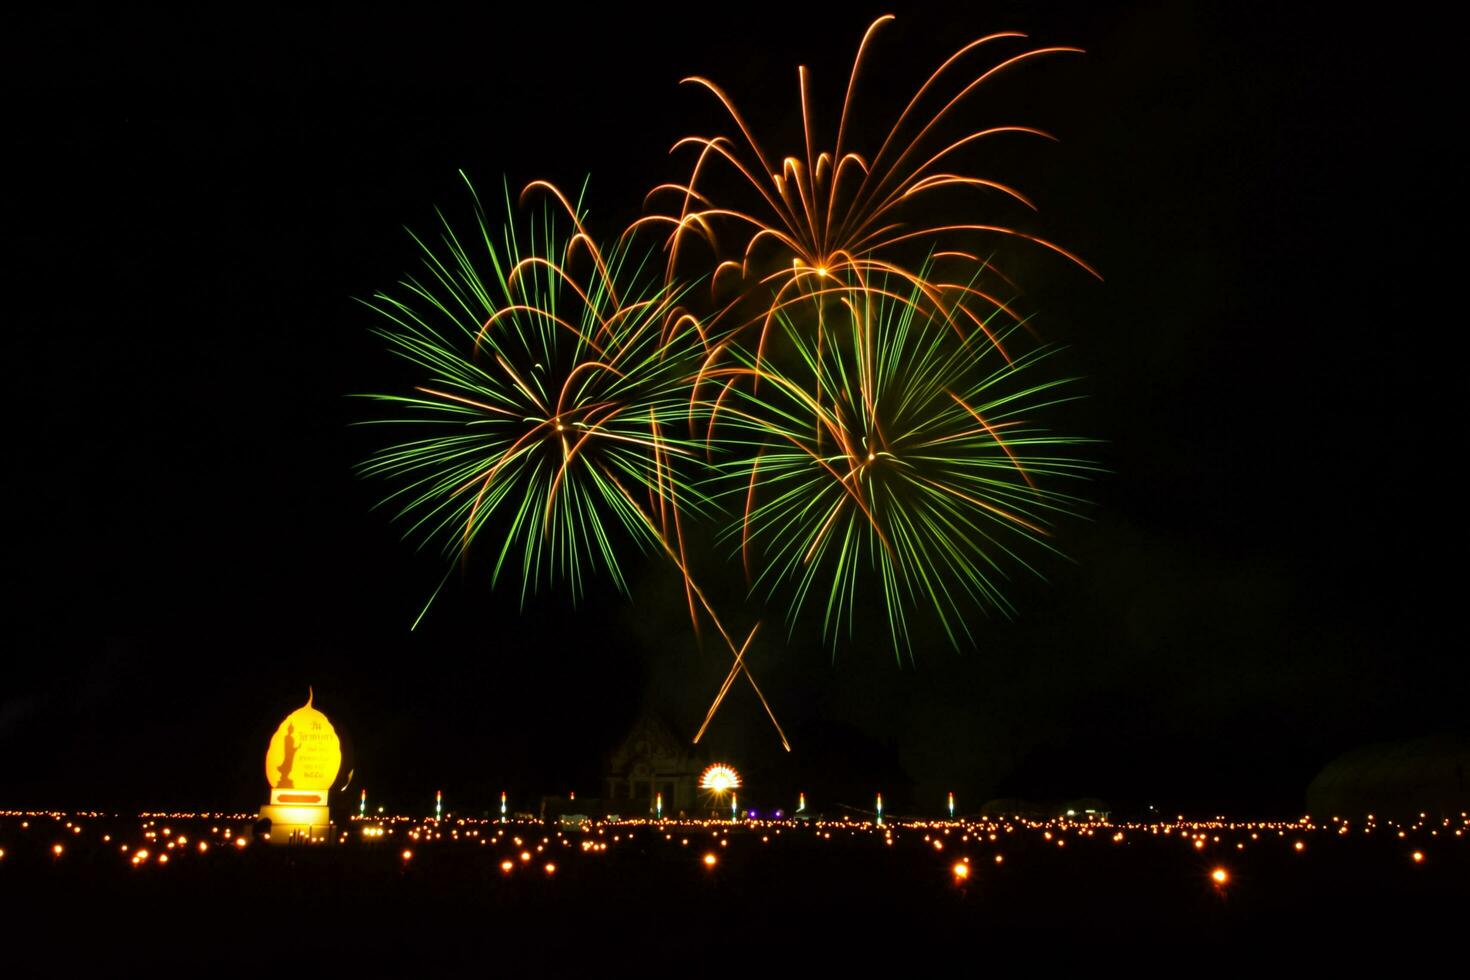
x: 917, y: 478
x: 862, y: 407
x: 551, y: 419
x: 818, y: 218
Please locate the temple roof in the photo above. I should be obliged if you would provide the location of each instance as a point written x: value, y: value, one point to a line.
x: 653, y: 743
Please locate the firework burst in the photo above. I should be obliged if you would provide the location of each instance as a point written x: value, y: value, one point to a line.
x: 559, y: 386
x: 856, y: 404
x: 895, y: 464
x: 818, y: 218
x: 557, y: 389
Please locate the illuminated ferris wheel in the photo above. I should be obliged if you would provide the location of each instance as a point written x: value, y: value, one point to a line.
x: 719, y: 779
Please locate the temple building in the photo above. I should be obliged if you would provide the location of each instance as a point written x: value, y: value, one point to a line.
x: 652, y: 760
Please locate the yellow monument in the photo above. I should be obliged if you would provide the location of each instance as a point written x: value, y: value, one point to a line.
x: 300, y: 766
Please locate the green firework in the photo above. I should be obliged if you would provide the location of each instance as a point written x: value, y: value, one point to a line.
x: 551, y: 423
x: 880, y: 455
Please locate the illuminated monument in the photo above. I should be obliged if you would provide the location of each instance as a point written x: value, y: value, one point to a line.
x: 300, y: 766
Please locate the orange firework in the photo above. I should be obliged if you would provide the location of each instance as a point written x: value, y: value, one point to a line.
x: 822, y: 221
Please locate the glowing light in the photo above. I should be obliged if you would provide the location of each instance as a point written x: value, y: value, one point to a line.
x: 800, y: 802
x: 1220, y: 876
x: 880, y: 807
x: 719, y: 778
x: 961, y: 870
x: 1418, y: 857
x: 57, y: 849
x: 502, y: 806
x: 407, y: 854
x: 951, y: 805
x: 507, y: 865
x: 658, y: 806
x: 303, y: 758
x: 550, y: 869
x: 438, y: 803
x: 362, y: 804
x: 709, y: 860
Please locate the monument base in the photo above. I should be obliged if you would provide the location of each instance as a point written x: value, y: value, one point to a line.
x: 298, y: 824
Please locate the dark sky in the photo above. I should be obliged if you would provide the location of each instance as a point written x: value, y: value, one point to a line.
x: 1271, y: 574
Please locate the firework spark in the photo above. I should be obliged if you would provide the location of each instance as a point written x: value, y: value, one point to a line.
x: 818, y: 218
x: 894, y: 462
x: 856, y: 403
x: 558, y: 391
x: 553, y: 399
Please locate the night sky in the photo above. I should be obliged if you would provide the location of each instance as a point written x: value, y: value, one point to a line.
x: 1271, y: 572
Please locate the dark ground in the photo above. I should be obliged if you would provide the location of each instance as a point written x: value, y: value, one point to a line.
x: 649, y: 907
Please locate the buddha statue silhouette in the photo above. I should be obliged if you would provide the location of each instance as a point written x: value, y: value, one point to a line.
x: 289, y: 757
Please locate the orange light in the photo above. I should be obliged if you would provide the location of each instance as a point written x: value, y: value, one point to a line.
x: 506, y: 866
x: 407, y: 854
x: 1418, y: 857
x: 719, y: 778
x: 1220, y: 876
x: 1299, y: 846
x: 57, y: 849
x: 525, y: 855
x: 961, y: 870
x: 550, y: 869
x: 709, y: 860
x: 240, y: 842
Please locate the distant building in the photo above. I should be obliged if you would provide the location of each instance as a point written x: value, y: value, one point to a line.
x: 1398, y: 779
x: 652, y: 760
